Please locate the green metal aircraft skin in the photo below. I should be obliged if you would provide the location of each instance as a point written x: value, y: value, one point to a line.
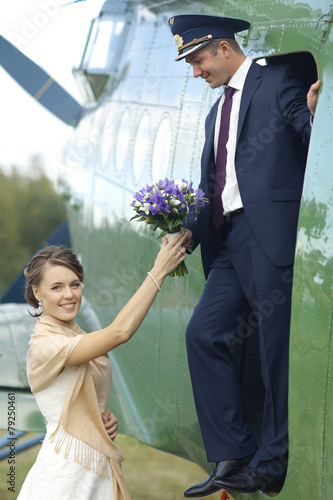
x: 149, y: 123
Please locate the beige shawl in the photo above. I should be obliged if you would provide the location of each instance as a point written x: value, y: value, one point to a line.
x: 80, y: 424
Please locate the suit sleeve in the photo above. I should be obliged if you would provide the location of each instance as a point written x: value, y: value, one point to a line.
x: 293, y: 103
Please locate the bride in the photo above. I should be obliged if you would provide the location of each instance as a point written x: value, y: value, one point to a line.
x: 70, y: 375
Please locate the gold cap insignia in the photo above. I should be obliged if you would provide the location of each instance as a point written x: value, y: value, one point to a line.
x: 172, y: 20
x: 179, y: 41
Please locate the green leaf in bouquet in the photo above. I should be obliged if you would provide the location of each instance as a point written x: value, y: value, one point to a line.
x: 163, y: 233
x: 176, y: 223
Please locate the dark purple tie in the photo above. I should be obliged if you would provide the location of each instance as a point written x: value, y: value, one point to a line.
x: 221, y: 159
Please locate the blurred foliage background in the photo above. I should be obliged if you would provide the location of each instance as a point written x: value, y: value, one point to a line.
x: 30, y: 210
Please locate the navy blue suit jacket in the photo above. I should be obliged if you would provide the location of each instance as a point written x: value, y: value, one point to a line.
x: 272, y: 144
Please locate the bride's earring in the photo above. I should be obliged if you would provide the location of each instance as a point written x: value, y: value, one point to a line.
x: 40, y: 308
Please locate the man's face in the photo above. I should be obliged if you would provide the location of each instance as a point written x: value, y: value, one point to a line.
x: 214, y: 69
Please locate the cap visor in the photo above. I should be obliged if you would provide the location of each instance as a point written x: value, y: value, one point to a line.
x: 190, y: 50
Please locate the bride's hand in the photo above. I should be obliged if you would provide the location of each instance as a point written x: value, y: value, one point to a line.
x: 110, y: 423
x: 172, y: 254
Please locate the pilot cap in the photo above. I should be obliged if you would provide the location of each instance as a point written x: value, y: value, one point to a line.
x: 192, y: 31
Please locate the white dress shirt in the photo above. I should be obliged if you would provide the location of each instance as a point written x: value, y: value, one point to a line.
x: 231, y: 198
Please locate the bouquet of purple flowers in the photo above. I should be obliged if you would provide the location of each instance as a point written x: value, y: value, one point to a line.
x: 167, y: 205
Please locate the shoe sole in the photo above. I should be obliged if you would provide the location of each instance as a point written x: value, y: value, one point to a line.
x: 203, y: 494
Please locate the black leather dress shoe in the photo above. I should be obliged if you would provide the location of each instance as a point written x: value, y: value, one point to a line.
x: 224, y: 469
x: 248, y: 481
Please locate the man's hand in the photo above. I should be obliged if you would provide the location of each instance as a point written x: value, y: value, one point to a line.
x: 110, y: 423
x: 189, y: 238
x: 312, y: 96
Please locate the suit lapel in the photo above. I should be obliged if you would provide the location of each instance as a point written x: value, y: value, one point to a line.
x: 208, y: 158
x: 210, y: 128
x: 252, y: 82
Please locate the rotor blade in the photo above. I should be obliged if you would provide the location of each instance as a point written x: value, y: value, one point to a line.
x: 39, y: 84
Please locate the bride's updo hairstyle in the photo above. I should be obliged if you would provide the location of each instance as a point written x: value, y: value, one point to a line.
x: 54, y: 255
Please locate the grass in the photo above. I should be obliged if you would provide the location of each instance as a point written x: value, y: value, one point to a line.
x: 150, y: 474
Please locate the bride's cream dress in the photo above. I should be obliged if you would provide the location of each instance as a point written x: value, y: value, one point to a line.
x: 52, y: 476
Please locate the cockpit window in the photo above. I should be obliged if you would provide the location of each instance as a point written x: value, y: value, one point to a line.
x: 104, y: 44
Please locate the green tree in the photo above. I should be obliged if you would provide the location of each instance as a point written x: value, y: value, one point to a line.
x: 30, y: 210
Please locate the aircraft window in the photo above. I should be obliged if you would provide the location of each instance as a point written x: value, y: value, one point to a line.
x: 106, y: 40
x: 100, y: 54
x: 162, y: 149
x: 141, y: 148
x: 123, y: 140
x: 107, y: 145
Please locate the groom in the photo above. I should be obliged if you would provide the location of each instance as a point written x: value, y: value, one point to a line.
x: 252, y: 169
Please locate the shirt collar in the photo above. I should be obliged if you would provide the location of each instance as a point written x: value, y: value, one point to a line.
x: 238, y: 79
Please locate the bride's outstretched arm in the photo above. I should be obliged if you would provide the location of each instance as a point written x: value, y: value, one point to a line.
x: 131, y: 316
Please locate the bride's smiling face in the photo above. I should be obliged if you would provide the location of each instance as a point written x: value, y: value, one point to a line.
x: 60, y: 292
